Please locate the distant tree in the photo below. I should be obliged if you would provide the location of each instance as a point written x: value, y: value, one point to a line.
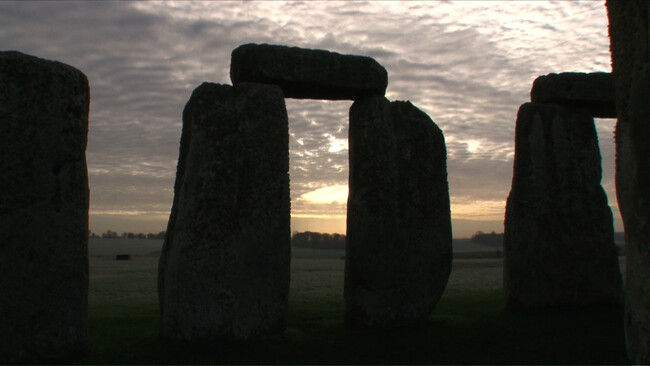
x: 314, y: 240
x: 130, y: 235
x: 492, y: 238
x: 109, y: 234
x: 158, y: 236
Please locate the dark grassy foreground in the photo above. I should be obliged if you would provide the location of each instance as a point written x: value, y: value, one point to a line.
x: 469, y: 325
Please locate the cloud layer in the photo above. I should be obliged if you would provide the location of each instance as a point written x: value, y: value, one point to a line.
x: 468, y: 65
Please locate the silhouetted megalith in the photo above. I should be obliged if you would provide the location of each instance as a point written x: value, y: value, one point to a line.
x: 594, y: 91
x: 43, y: 208
x: 629, y: 37
x: 308, y: 74
x: 224, y: 268
x: 398, y: 251
x: 559, y: 237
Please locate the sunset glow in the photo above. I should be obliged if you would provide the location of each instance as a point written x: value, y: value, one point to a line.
x: 336, y: 194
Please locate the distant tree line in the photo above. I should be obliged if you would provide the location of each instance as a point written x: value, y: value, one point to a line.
x: 114, y: 235
x: 492, y: 238
x: 305, y: 239
x: 313, y: 240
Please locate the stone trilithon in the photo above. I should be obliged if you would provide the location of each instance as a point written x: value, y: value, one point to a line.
x: 559, y: 235
x: 559, y: 232
x: 224, y: 269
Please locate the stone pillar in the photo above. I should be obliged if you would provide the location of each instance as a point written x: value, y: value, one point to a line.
x: 399, y: 249
x: 630, y: 47
x: 559, y: 237
x: 224, y: 267
x: 43, y: 209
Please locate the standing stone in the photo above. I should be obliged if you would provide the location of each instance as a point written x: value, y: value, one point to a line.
x: 630, y: 47
x: 308, y: 74
x: 224, y: 268
x: 559, y: 236
x: 398, y: 252
x: 43, y: 209
x: 594, y: 91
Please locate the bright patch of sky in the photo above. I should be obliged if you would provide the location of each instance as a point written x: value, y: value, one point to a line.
x: 337, y: 145
x: 468, y: 208
x: 336, y: 194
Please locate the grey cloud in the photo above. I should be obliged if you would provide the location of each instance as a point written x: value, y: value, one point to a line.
x: 310, y: 122
x: 144, y: 59
x: 494, y: 183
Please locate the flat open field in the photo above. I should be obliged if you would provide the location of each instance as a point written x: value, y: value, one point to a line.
x: 469, y: 325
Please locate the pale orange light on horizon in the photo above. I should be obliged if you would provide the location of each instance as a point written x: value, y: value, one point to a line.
x: 325, y: 195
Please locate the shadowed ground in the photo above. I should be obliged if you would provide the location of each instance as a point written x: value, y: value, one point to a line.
x: 468, y: 325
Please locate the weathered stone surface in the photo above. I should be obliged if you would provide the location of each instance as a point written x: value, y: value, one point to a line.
x: 559, y: 237
x: 308, y: 74
x: 398, y: 251
x: 224, y: 268
x: 43, y: 209
x: 628, y: 30
x: 593, y: 91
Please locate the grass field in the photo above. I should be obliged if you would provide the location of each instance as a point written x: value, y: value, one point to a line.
x: 469, y: 325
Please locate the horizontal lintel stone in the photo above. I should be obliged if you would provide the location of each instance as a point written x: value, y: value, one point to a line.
x: 594, y: 91
x: 307, y: 73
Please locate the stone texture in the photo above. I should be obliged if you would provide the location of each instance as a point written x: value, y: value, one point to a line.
x: 399, y: 249
x: 594, y: 91
x: 559, y: 237
x: 308, y: 74
x: 630, y: 48
x: 224, y: 267
x: 43, y: 209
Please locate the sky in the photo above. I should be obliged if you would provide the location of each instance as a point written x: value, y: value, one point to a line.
x: 468, y: 65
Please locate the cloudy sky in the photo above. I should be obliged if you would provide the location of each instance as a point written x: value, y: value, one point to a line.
x: 468, y: 65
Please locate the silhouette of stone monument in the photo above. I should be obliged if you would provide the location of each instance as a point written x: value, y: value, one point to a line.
x: 224, y: 267
x: 398, y: 251
x: 224, y: 270
x: 43, y: 208
x: 559, y: 236
x: 630, y: 47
